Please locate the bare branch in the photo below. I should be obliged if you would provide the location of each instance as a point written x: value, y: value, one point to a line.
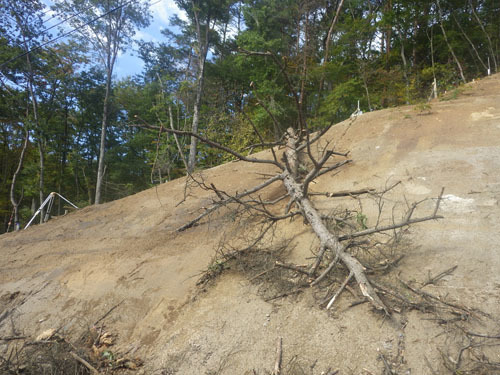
x: 344, y: 284
x: 314, y: 172
x: 332, y: 242
x: 227, y: 201
x: 333, y: 167
x: 210, y: 143
x: 262, y: 139
x: 389, y: 227
x: 91, y: 368
x: 349, y: 193
x: 345, y: 193
x: 435, y: 279
x: 319, y: 258
x: 326, y: 271
x: 292, y: 267
x: 316, y: 137
x: 279, y: 354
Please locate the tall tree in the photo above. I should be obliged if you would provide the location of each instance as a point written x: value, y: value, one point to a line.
x: 23, y: 33
x: 109, y: 25
x: 204, y: 16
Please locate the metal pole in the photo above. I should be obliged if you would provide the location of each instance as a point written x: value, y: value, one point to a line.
x: 38, y: 211
x: 50, y: 200
x: 66, y: 200
x: 47, y: 213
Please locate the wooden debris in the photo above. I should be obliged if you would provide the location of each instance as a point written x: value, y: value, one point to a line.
x: 92, y: 369
x: 46, y: 335
x: 279, y: 357
x: 348, y: 278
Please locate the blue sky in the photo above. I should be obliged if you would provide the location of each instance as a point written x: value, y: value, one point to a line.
x: 162, y: 10
x: 128, y: 63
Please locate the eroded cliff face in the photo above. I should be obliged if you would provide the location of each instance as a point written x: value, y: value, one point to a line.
x: 124, y: 266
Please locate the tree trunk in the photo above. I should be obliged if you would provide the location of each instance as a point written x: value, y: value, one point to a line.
x: 202, y: 56
x: 490, y: 45
x: 365, y: 84
x: 470, y: 42
x: 15, y: 203
x: 327, y: 43
x: 330, y: 241
x: 388, y: 38
x: 37, y: 126
x: 196, y: 117
x: 41, y: 152
x: 102, y: 147
x: 448, y: 43
x: 179, y: 148
x: 64, y: 155
x: 434, y: 93
x: 405, y: 70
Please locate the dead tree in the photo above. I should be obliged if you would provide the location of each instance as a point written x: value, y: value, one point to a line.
x: 300, y: 203
x: 298, y: 145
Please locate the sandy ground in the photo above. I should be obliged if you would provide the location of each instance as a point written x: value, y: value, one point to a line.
x: 126, y: 256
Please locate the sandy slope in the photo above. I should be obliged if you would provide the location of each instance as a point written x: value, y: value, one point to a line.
x: 69, y: 272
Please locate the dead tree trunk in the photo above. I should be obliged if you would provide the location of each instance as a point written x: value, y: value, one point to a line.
x: 329, y: 241
x: 297, y: 188
x: 297, y: 192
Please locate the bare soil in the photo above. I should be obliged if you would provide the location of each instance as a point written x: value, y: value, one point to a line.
x: 123, y: 265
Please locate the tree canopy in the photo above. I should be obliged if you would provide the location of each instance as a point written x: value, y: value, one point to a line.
x: 237, y: 72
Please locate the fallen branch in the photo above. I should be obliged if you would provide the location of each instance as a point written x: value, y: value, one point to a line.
x: 346, y: 281
x: 107, y: 313
x: 298, y: 192
x: 92, y: 369
x: 483, y: 335
x: 279, y: 356
x: 285, y: 294
x: 353, y: 193
x: 421, y: 293
x: 331, y: 242
x: 228, y: 200
x: 404, y: 223
x: 12, y: 338
x: 292, y: 267
x: 345, y: 193
x: 260, y: 274
x: 326, y: 271
x: 435, y: 279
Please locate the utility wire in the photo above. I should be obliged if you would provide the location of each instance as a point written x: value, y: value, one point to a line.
x: 66, y: 34
x: 61, y: 22
x: 41, y: 33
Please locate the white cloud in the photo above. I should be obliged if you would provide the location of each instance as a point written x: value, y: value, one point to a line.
x: 164, y: 9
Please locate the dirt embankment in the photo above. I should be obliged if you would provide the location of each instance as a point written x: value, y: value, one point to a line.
x: 126, y: 258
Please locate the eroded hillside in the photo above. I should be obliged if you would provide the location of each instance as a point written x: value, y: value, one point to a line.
x: 122, y: 266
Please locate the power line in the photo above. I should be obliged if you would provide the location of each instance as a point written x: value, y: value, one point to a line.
x: 61, y: 22
x: 66, y: 34
x: 73, y: 16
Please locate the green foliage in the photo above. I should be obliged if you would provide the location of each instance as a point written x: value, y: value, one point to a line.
x: 423, y: 108
x: 361, y: 220
x: 342, y: 100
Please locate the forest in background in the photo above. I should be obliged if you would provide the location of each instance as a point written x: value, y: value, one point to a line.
x: 237, y: 72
